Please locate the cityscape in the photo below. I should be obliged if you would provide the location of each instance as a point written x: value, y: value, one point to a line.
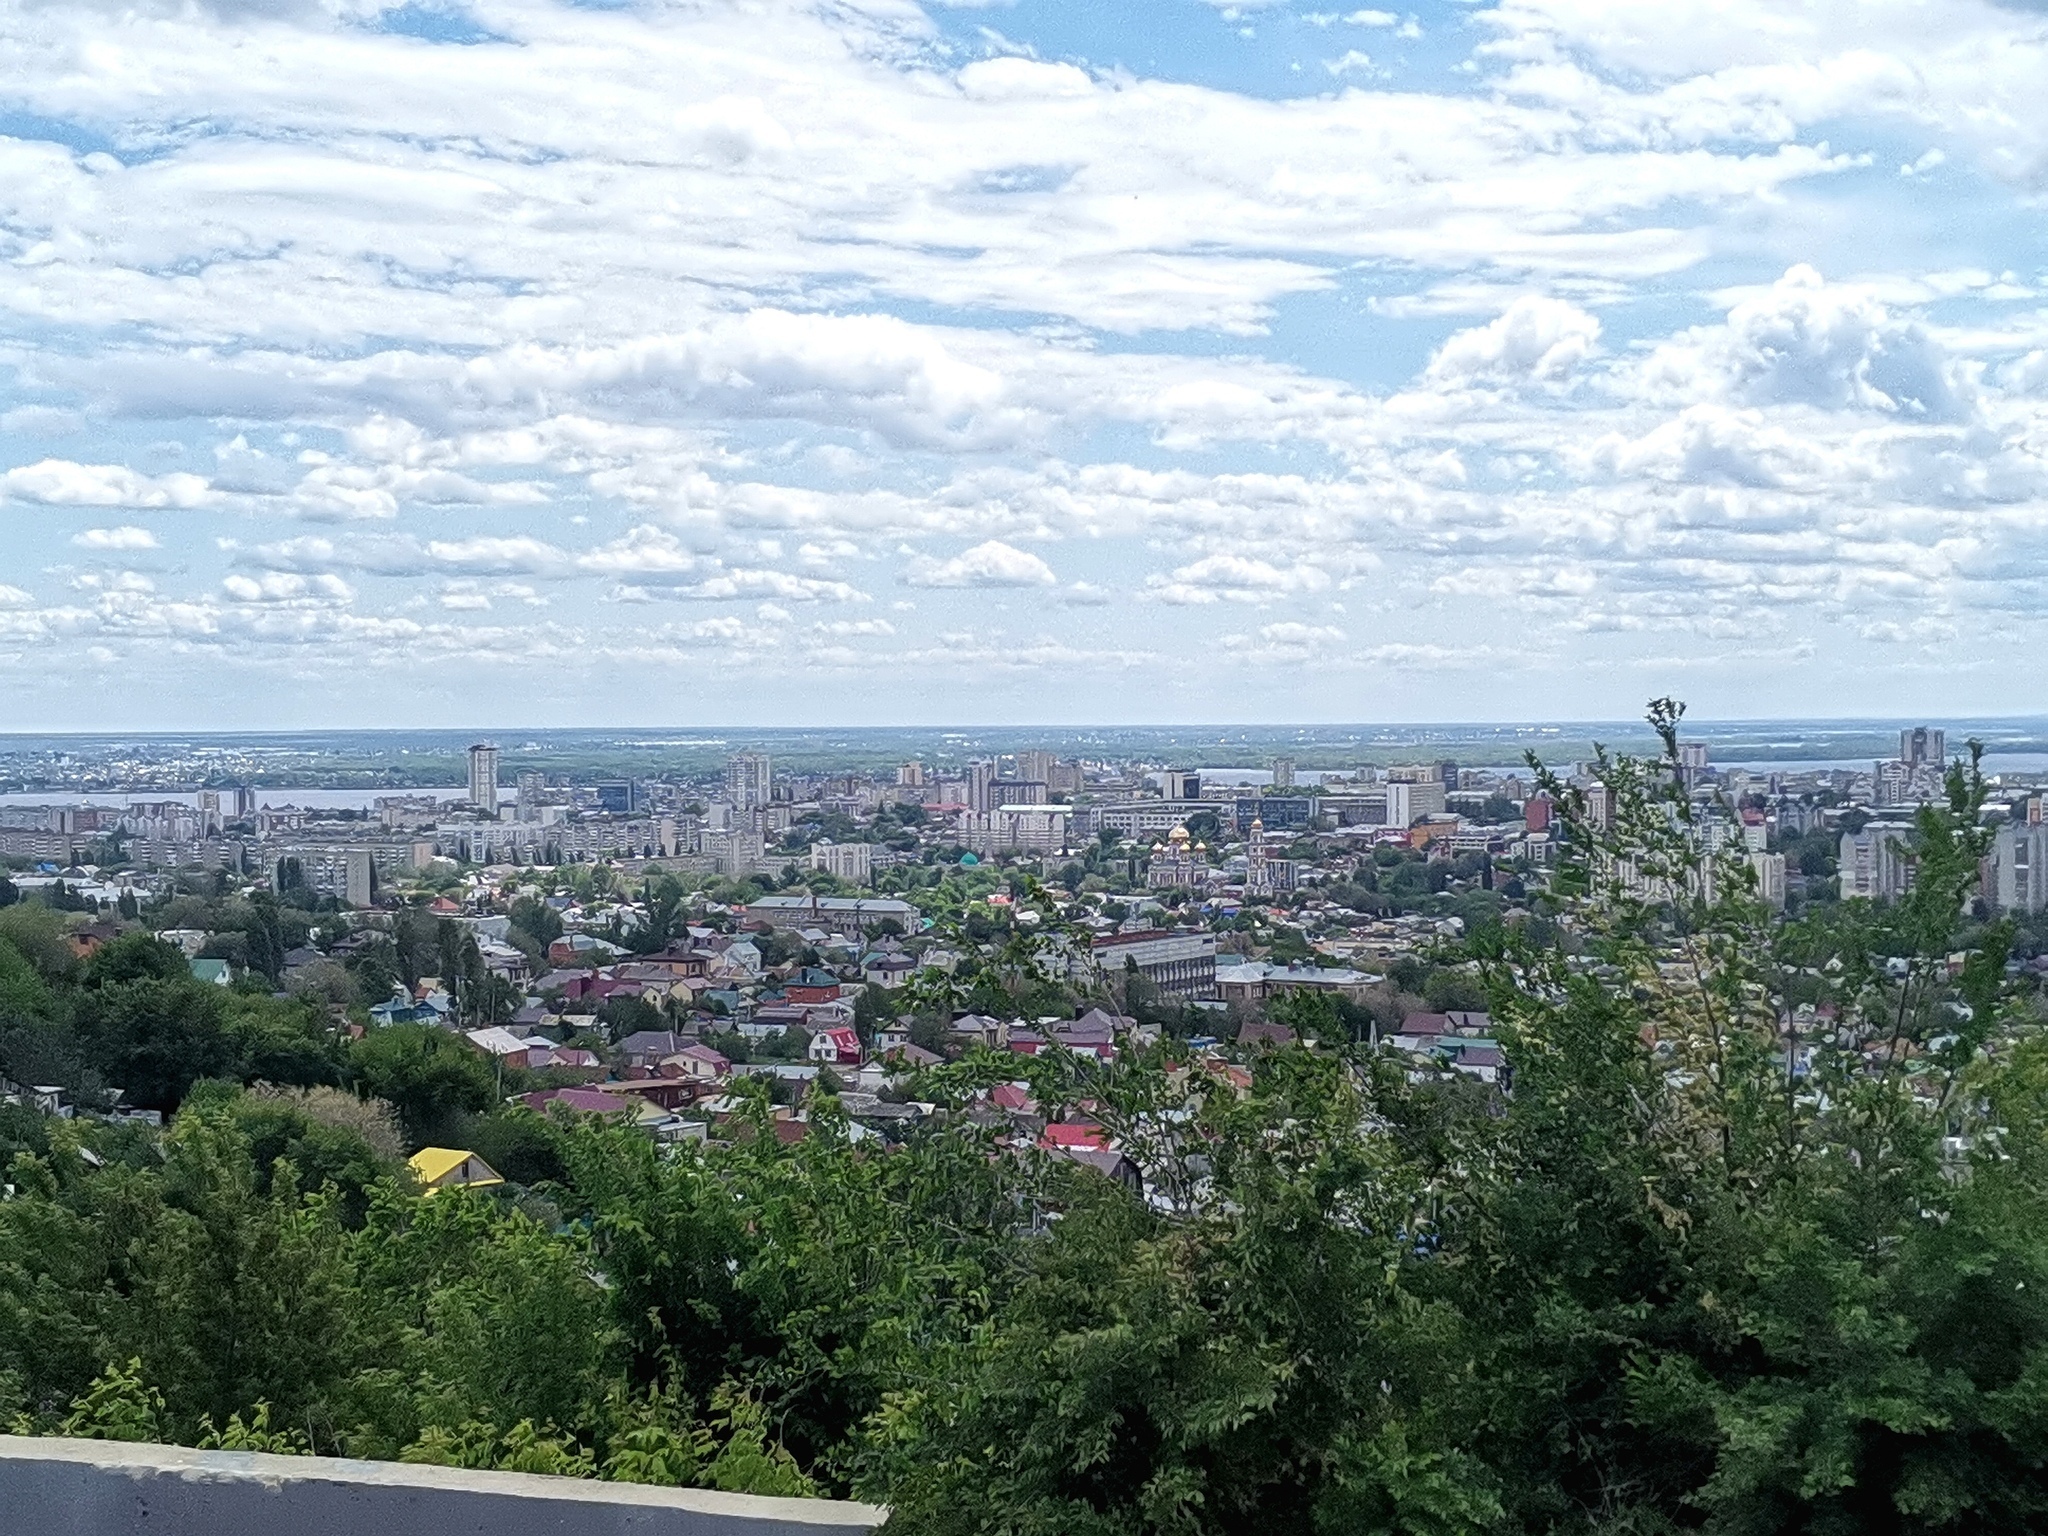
x: 1023, y: 768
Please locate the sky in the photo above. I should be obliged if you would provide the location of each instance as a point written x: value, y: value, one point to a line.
x: 869, y: 362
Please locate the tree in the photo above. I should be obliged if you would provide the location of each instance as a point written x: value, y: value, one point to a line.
x: 1312, y: 1015
x: 429, y: 1076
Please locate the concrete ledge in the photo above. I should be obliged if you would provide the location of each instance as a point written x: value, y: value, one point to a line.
x: 54, y: 1487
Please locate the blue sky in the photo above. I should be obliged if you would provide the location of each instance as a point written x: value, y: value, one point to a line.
x: 875, y: 362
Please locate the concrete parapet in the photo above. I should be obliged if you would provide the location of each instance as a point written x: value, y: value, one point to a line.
x: 56, y: 1487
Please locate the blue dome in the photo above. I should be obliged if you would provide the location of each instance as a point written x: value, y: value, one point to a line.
x: 968, y: 859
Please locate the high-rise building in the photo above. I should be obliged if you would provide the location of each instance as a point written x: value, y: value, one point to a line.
x: 359, y: 878
x: 532, y: 789
x: 1600, y: 806
x: 910, y: 776
x: 1183, y: 784
x: 1770, y: 877
x: 1036, y: 766
x: 749, y: 781
x: 619, y: 797
x: 1924, y: 746
x: 1692, y: 762
x: 2016, y: 872
x: 1874, y: 862
x: 1536, y: 813
x: 981, y: 775
x: 483, y: 778
x: 1283, y: 773
x: 1408, y: 803
x: 1891, y: 784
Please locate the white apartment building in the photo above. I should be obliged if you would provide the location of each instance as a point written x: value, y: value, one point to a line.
x: 851, y: 862
x: 749, y: 781
x: 483, y: 778
x: 1875, y: 864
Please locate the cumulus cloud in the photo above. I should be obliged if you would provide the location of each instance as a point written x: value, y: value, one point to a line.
x: 62, y: 483
x: 1236, y: 578
x: 989, y: 564
x: 705, y: 306
x: 1536, y: 340
x: 1805, y: 342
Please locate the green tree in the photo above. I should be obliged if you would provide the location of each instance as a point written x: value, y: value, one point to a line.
x: 429, y: 1076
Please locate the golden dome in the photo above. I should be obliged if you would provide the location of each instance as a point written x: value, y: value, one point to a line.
x: 1177, y: 835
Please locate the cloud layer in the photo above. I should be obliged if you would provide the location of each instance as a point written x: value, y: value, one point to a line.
x: 1439, y: 353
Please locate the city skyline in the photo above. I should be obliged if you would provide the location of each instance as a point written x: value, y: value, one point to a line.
x: 520, y: 359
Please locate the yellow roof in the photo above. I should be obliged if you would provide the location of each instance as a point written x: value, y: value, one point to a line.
x: 433, y: 1164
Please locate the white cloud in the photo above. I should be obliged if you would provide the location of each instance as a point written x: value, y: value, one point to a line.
x: 745, y: 583
x: 287, y: 588
x: 715, y: 306
x: 61, y: 483
x: 1805, y: 342
x: 1236, y: 578
x: 989, y: 564
x: 1535, y: 340
x: 127, y: 537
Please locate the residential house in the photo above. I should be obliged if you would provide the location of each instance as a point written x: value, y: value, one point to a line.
x: 888, y: 970
x: 836, y: 1047
x: 700, y: 1063
x: 439, y: 1168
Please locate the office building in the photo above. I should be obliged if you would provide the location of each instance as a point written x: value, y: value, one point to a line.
x: 483, y: 778
x: 1183, y: 784
x: 1408, y: 803
x: 1277, y: 812
x: 1176, y: 961
x: 618, y: 797
x: 1283, y: 773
